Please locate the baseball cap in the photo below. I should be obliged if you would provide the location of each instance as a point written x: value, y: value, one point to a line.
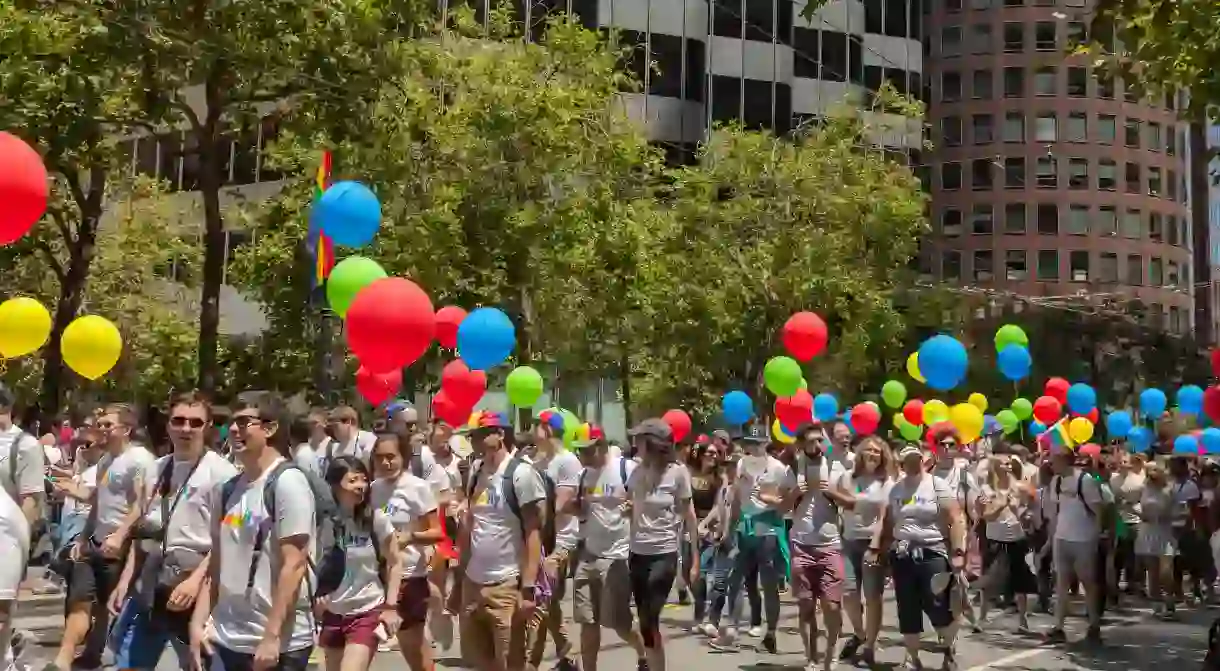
x: 595, y: 435
x: 909, y: 449
x: 722, y: 435
x: 485, y: 420
x: 653, y: 428
x: 755, y: 434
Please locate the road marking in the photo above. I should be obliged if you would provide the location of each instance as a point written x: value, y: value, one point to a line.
x: 1014, y: 657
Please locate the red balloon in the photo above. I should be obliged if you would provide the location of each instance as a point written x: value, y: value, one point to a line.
x: 463, y: 385
x: 913, y: 411
x: 453, y: 413
x: 1216, y: 362
x: 1092, y: 415
x: 390, y: 324
x: 1057, y: 388
x: 804, y: 335
x: 1211, y: 403
x: 679, y: 422
x: 377, y: 388
x: 865, y: 418
x: 23, y: 188
x: 448, y: 319
x: 1048, y: 410
x: 795, y: 410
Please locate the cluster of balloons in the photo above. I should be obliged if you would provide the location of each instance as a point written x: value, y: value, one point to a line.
x: 90, y: 345
x: 940, y: 363
x: 1012, y: 352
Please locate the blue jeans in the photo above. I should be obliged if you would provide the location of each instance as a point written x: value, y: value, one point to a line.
x: 139, y: 638
x: 756, y: 562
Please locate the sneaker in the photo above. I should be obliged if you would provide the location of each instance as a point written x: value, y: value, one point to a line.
x: 949, y: 663
x: 1055, y: 636
x: 1094, y: 635
x: 726, y: 641
x: 850, y: 648
x: 566, y: 665
x: 683, y: 597
x: 641, y: 665
x: 1023, y: 625
x: 912, y: 664
x: 707, y: 629
x: 768, y: 643
x: 755, y: 632
x: 868, y: 657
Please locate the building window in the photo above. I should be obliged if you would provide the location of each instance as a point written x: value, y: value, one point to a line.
x: 1048, y: 265
x: 951, y: 86
x: 980, y: 38
x: 951, y: 222
x: 1077, y: 34
x: 1014, y: 127
x: 1045, y: 83
x: 1171, y: 147
x: 980, y: 220
x: 1154, y: 181
x: 1078, y: 82
x: 1014, y: 173
x: 981, y: 85
x: 951, y: 265
x: 1156, y: 317
x: 951, y: 41
x: 1078, y: 220
x: 1015, y: 269
x: 1133, y: 178
x: 1046, y: 174
x: 1175, y: 320
x: 1046, y: 128
x: 1135, y: 270
x: 1107, y: 175
x: 1171, y: 274
x: 1014, y: 37
x: 983, y: 128
x: 1107, y: 220
x: 980, y: 4
x: 1130, y: 93
x: 1014, y: 82
x: 1078, y: 262
x: 1154, y: 136
x: 1156, y: 227
x: 1078, y: 127
x: 1014, y: 3
x: 983, y: 265
x: 1171, y: 230
x: 1048, y: 219
x: 1106, y: 128
x: 1133, y: 225
x: 951, y: 130
x: 951, y: 176
x: 981, y: 174
x: 1078, y: 173
x: 1131, y: 133
x: 952, y: 5
x: 1156, y: 276
x: 1171, y: 184
x: 1044, y: 36
x: 1105, y: 86
x: 1014, y: 218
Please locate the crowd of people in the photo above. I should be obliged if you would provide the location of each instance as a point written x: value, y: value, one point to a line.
x: 248, y: 540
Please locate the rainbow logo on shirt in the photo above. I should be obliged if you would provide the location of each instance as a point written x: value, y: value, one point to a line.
x: 238, y: 520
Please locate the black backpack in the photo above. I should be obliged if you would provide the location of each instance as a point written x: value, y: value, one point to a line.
x: 510, y: 496
x: 1079, y: 493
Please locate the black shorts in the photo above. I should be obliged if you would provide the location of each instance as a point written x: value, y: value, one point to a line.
x: 1020, y: 579
x: 913, y: 591
x: 92, y: 579
x: 295, y: 660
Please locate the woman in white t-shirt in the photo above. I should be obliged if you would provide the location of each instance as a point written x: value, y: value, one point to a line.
x: 1127, y: 484
x: 358, y: 577
x: 870, y: 481
x: 1156, y: 546
x: 1004, y: 507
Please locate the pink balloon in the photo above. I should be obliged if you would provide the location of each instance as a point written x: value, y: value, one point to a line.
x: 448, y: 319
x: 1090, y: 450
x: 463, y: 385
x: 679, y: 422
x: 23, y: 188
x: 390, y: 324
x: 377, y: 388
x: 796, y: 409
x: 805, y: 335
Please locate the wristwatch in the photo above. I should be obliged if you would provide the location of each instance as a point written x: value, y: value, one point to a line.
x: 529, y: 591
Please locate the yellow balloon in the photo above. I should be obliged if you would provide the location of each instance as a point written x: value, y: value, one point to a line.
x: 91, y: 346
x: 778, y: 433
x: 25, y: 326
x: 979, y: 401
x: 968, y: 420
x: 935, y: 411
x: 913, y: 367
x: 1080, y: 430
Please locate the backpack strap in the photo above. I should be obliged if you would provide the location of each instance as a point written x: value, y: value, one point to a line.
x: 510, y: 491
x: 1080, y: 495
x: 269, y: 505
x: 580, y: 489
x: 417, y: 464
x: 622, y: 471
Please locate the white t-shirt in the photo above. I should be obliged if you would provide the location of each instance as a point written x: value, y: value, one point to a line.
x: 1006, y: 527
x: 86, y: 481
x: 657, y: 507
x: 15, y: 539
x: 29, y: 463
x: 433, y: 473
x: 453, y: 474
x: 1185, y: 495
x: 916, y: 510
x: 190, y: 524
x: 122, y: 483
x: 404, y: 501
x: 497, y: 544
x: 756, y: 474
x: 1074, y: 522
x: 564, y: 468
x: 362, y: 588
x: 961, y: 480
x: 360, y: 447
x: 607, y: 529
x: 306, y: 459
x: 860, y: 523
x: 240, y: 615
x: 816, y: 519
x: 1128, y: 490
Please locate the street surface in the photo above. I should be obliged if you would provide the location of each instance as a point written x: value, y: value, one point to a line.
x: 1133, y: 640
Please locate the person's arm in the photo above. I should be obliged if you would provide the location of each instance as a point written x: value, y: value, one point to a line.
x: 793, y: 489
x: 29, y: 484
x: 391, y: 568
x: 531, y: 528
x: 840, y: 494
x: 427, y: 531
x: 292, y: 533
x: 138, y: 497
x: 692, y: 536
x: 567, y: 480
x: 953, y: 519
x: 883, y: 534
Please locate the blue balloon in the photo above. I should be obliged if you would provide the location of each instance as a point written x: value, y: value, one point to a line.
x: 1211, y: 440
x: 1037, y: 428
x: 990, y: 425
x: 1014, y: 362
x: 1081, y: 398
x: 349, y: 213
x: 1185, y: 444
x: 943, y: 362
x: 825, y: 407
x: 486, y: 338
x: 1152, y: 403
x: 1139, y: 438
x: 1119, y: 423
x: 1190, y: 399
x: 738, y: 408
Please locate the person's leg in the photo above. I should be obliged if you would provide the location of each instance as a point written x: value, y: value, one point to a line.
x: 415, y: 649
x: 231, y: 660
x: 1021, y: 582
x: 938, y: 606
x: 587, y: 595
x: 829, y: 564
x: 873, y: 586
x: 1086, y: 569
x: 142, y: 639
x: 659, y: 578
x: 356, y: 657
x: 1063, y: 583
x: 804, y: 588
x: 477, y: 633
x: 555, y: 623
x: 853, y: 604
x: 741, y: 565
x: 414, y: 609
x: 768, y: 572
x: 82, y: 594
x: 908, y: 598
x: 615, y: 608
x: 506, y: 625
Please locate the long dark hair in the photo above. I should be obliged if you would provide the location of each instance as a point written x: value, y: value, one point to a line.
x: 339, y: 469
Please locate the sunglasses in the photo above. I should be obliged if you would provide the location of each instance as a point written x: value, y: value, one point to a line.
x: 105, y: 425
x: 948, y: 443
x: 345, y: 420
x: 244, y: 421
x: 193, y: 422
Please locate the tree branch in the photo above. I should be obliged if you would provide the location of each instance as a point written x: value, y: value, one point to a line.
x: 177, y: 103
x: 58, y: 217
x: 52, y: 260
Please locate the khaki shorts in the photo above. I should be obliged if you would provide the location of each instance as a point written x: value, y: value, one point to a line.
x: 1076, y: 558
x: 490, y: 631
x: 602, y: 593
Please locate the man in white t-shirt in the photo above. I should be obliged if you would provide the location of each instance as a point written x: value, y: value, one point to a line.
x: 263, y: 529
x: 1075, y: 502
x: 501, y: 548
x: 347, y: 438
x: 21, y: 461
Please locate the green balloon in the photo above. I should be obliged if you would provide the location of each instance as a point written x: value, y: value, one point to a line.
x: 782, y: 376
x: 894, y: 393
x: 909, y: 431
x: 1010, y: 334
x: 347, y: 279
x: 1022, y: 408
x: 524, y: 386
x: 1008, y: 420
x: 804, y: 384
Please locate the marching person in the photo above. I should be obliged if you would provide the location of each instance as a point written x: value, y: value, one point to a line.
x: 562, y: 469
x: 871, y: 480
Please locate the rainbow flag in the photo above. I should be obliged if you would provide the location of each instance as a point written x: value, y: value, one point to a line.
x: 1056, y: 437
x: 320, y: 246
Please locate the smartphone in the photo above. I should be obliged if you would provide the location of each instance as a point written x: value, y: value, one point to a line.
x: 380, y: 632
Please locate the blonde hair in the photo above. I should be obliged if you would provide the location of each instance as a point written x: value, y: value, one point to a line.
x: 888, y: 468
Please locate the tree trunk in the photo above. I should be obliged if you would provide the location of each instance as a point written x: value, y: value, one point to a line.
x: 214, y: 235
